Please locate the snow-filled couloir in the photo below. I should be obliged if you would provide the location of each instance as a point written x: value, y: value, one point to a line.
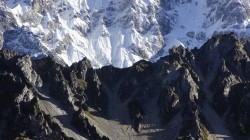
x: 117, y: 32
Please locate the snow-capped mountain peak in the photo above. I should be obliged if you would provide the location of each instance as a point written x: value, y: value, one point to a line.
x: 117, y: 32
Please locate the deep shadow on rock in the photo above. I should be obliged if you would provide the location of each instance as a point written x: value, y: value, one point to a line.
x: 188, y: 94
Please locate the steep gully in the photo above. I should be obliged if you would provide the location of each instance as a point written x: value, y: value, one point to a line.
x: 189, y: 94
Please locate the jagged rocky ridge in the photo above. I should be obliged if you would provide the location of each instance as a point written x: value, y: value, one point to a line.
x: 117, y: 32
x: 189, y: 94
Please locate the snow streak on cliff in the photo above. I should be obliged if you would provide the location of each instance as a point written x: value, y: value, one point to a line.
x: 117, y: 32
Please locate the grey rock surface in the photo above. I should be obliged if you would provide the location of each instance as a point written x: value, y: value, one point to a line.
x: 188, y: 94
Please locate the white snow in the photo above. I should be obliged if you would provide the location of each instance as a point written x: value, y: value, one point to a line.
x: 77, y: 29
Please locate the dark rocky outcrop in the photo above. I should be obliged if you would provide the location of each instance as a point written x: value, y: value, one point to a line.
x: 26, y: 84
x: 86, y: 129
x: 198, y: 94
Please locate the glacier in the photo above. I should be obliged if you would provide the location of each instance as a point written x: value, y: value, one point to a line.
x: 117, y: 32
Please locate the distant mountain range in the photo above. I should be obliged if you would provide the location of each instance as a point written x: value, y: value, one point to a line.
x: 117, y: 32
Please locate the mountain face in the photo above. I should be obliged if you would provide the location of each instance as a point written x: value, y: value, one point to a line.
x: 117, y: 32
x: 189, y: 94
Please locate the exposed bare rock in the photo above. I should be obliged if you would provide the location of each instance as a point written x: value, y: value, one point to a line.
x: 188, y: 94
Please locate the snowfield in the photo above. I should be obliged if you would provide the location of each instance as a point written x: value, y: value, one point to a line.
x: 122, y: 32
